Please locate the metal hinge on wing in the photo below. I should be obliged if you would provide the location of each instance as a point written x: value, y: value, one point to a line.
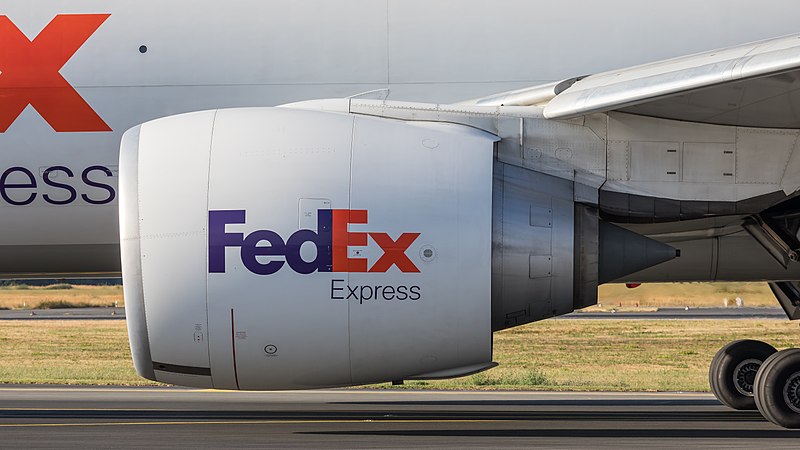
x: 773, y: 239
x: 788, y: 295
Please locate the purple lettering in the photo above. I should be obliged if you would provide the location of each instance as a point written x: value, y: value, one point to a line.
x: 72, y: 193
x: 218, y: 239
x: 251, y: 250
x: 105, y: 187
x: 5, y: 186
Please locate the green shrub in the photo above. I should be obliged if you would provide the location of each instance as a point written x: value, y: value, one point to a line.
x: 60, y: 304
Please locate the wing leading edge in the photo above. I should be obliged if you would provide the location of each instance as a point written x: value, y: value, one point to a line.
x: 753, y: 85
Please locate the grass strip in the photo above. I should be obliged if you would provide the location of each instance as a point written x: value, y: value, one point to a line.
x: 23, y: 296
x: 613, y: 355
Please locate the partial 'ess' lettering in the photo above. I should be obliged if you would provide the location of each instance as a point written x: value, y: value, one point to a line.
x: 57, y: 185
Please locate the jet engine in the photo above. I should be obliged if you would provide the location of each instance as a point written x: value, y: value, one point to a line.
x: 279, y: 248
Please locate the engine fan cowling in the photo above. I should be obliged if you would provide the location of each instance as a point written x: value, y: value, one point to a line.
x: 274, y: 248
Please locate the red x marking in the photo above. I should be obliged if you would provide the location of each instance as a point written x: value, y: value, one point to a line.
x: 394, y: 252
x: 29, y: 73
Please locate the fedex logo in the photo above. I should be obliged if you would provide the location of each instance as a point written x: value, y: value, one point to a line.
x: 29, y: 73
x: 332, y: 241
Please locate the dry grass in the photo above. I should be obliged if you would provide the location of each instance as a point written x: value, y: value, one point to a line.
x: 657, y: 355
x: 31, y: 297
x: 650, y: 296
x: 66, y: 352
x: 617, y: 355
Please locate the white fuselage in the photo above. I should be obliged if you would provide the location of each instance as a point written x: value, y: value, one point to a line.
x: 151, y: 59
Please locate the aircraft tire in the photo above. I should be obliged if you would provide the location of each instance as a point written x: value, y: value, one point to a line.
x: 777, y: 388
x: 733, y: 371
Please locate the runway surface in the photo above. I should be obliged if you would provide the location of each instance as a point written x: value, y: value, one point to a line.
x: 662, y: 313
x: 64, y: 314
x: 682, y: 313
x: 35, y: 417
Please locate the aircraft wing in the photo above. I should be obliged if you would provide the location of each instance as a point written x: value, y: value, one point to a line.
x: 753, y: 85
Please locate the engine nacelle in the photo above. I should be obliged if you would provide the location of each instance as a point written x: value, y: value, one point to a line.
x: 279, y: 248
x: 275, y: 248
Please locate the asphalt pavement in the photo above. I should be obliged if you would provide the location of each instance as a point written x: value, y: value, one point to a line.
x: 91, y: 417
x: 64, y: 314
x: 684, y: 313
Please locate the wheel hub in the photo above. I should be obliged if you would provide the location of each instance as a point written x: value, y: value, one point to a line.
x: 791, y: 392
x: 745, y: 375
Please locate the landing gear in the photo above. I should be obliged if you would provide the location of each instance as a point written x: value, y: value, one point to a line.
x: 777, y: 388
x: 748, y: 375
x: 733, y: 372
